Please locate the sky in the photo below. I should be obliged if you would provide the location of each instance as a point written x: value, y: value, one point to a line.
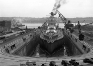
x: 42, y: 8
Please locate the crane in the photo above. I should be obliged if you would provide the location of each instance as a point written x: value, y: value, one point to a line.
x: 64, y: 20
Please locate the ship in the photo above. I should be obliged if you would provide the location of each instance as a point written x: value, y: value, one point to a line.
x: 52, y: 36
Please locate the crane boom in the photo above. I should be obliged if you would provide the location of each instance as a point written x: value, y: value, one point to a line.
x: 64, y: 20
x: 62, y: 17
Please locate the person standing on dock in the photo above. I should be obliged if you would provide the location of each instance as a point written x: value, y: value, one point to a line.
x: 81, y: 36
x: 79, y: 27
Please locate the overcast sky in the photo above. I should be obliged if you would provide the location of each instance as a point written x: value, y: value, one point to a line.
x: 41, y: 8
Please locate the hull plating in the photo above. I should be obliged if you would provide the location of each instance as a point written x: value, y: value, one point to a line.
x: 51, y: 47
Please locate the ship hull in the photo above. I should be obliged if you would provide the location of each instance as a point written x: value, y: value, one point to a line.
x: 51, y: 47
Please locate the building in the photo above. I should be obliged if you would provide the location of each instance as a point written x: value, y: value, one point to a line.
x: 5, y: 25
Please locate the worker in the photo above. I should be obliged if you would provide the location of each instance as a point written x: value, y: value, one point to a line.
x: 79, y: 27
x: 81, y: 36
